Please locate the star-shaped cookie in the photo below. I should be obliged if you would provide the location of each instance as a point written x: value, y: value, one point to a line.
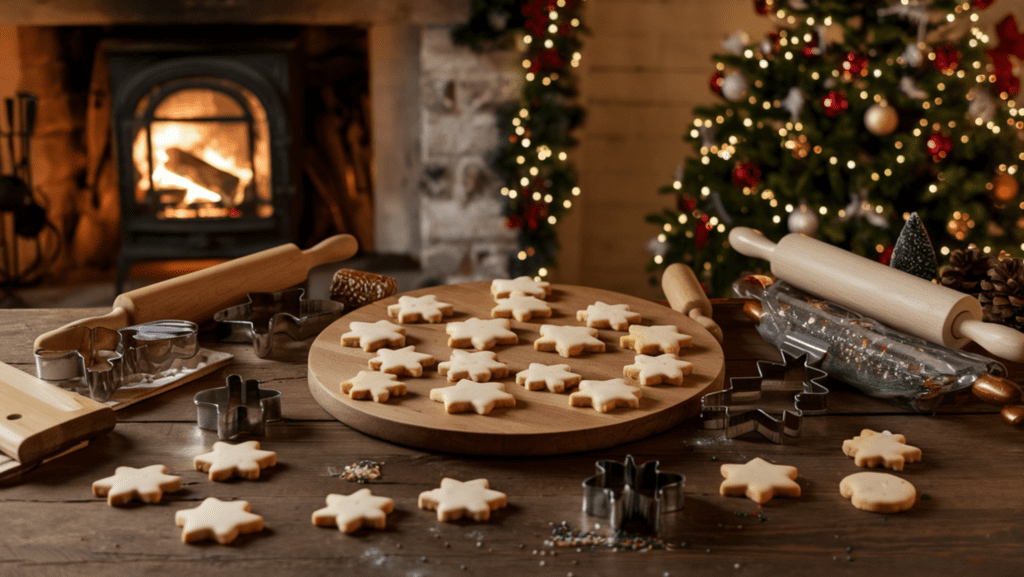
x: 606, y: 395
x: 242, y: 460
x: 371, y: 384
x: 420, y: 309
x: 665, y: 368
x: 501, y: 288
x: 456, y: 499
x: 521, y: 307
x: 351, y: 512
x: 759, y: 480
x: 655, y: 339
x: 372, y: 336
x: 468, y: 396
x: 481, y: 334
x: 568, y: 341
x: 404, y: 361
x: 556, y: 378
x: 872, y: 449
x: 480, y: 367
x: 219, y: 520
x: 605, y: 316
x: 128, y: 483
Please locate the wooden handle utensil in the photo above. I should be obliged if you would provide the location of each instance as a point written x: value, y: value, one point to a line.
x: 685, y: 295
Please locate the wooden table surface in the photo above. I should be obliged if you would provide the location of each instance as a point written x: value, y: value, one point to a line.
x: 969, y: 518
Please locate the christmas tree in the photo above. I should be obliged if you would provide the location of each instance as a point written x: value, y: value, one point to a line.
x: 846, y: 119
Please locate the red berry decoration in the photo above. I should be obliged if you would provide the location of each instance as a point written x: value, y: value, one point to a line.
x: 763, y: 7
x: 835, y: 103
x: 514, y: 221
x: 939, y: 146
x: 947, y: 58
x: 982, y: 4
x: 811, y: 48
x: 716, y: 82
x: 746, y: 174
x: 854, y: 64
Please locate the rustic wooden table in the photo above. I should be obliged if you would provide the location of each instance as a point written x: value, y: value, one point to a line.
x: 968, y: 519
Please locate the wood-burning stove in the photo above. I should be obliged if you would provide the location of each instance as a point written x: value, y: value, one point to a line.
x: 205, y: 138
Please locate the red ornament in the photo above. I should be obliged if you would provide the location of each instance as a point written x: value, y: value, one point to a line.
x: 853, y: 65
x: 716, y: 82
x: 764, y: 7
x: 886, y: 256
x: 811, y: 48
x: 701, y: 232
x: 982, y: 4
x: 947, y: 58
x: 1011, y: 42
x: 514, y: 221
x: 746, y: 174
x: 835, y: 103
x: 939, y: 146
x: 773, y: 39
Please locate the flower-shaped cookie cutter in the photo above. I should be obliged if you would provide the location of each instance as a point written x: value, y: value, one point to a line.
x: 267, y: 314
x: 626, y: 494
x: 240, y: 406
x: 813, y: 399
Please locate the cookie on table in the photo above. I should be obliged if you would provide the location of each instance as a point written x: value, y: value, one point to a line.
x: 242, y: 460
x: 873, y: 449
x: 467, y: 395
x: 878, y: 492
x: 521, y: 307
x: 501, y: 288
x: 665, y: 368
x: 568, y: 341
x: 481, y: 366
x: 456, y: 499
x: 371, y: 384
x: 480, y: 334
x: 555, y: 378
x: 759, y: 481
x: 404, y: 361
x: 350, y: 513
x: 605, y: 316
x: 606, y: 395
x: 425, y: 309
x: 373, y: 336
x: 217, y: 520
x: 147, y: 484
x: 655, y: 339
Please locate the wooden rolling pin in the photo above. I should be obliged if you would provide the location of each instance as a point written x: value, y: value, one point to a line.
x: 197, y: 295
x: 685, y: 295
x: 901, y: 300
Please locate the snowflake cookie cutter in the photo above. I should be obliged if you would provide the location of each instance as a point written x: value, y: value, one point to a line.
x: 269, y: 313
x: 626, y: 494
x: 238, y: 407
x: 813, y: 399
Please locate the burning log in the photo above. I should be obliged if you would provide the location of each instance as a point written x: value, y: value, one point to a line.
x: 203, y: 173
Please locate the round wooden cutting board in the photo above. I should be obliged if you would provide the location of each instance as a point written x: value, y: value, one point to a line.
x: 542, y: 422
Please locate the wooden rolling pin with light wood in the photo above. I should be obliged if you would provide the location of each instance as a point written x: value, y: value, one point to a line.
x: 685, y: 295
x: 898, y: 299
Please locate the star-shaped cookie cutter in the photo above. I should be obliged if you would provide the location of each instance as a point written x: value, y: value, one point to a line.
x: 238, y: 407
x: 626, y: 494
x: 813, y: 399
x: 269, y: 313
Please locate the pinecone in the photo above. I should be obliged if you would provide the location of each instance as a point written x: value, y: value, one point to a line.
x: 966, y: 269
x: 1002, y: 294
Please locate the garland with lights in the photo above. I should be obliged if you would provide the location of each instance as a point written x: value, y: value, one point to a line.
x: 844, y: 121
x: 533, y: 161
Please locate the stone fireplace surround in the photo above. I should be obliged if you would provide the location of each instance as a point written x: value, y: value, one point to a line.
x: 433, y: 123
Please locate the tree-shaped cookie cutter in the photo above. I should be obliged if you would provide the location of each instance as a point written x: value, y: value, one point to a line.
x: 240, y: 406
x: 626, y: 494
x: 813, y: 399
x: 269, y: 313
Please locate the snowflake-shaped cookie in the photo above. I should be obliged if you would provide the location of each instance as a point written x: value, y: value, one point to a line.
x: 890, y: 450
x: 219, y: 520
x: 420, y: 309
x: 568, y: 341
x: 606, y: 395
x: 501, y: 288
x: 351, y: 512
x: 479, y: 367
x: 481, y: 334
x: 372, y: 336
x: 128, y: 483
x: 472, y: 396
x: 759, y: 480
x: 404, y: 361
x: 371, y: 384
x: 655, y: 339
x: 456, y: 499
x: 556, y: 378
x: 605, y: 316
x: 666, y: 368
x: 521, y: 307
x: 242, y: 460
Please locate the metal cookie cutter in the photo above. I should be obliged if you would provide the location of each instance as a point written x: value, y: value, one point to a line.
x: 813, y: 399
x: 624, y: 493
x: 106, y: 359
x: 267, y: 314
x: 238, y: 407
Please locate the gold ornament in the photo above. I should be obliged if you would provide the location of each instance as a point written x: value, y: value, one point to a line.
x: 881, y: 119
x: 803, y: 220
x: 1004, y: 188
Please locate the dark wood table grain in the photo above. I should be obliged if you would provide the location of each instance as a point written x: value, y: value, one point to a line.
x: 968, y: 521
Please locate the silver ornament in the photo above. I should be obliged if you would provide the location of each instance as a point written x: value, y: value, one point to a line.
x: 794, y: 103
x: 803, y: 220
x: 736, y: 43
x: 735, y: 86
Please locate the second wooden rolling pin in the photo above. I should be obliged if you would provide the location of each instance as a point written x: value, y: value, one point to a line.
x: 901, y: 300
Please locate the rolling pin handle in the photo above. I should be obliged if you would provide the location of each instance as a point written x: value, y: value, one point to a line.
x: 686, y: 295
x: 333, y: 249
x: 67, y: 339
x: 1000, y: 340
x: 752, y: 243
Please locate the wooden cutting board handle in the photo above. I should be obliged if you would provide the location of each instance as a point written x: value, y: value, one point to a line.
x: 686, y: 295
x: 39, y: 420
